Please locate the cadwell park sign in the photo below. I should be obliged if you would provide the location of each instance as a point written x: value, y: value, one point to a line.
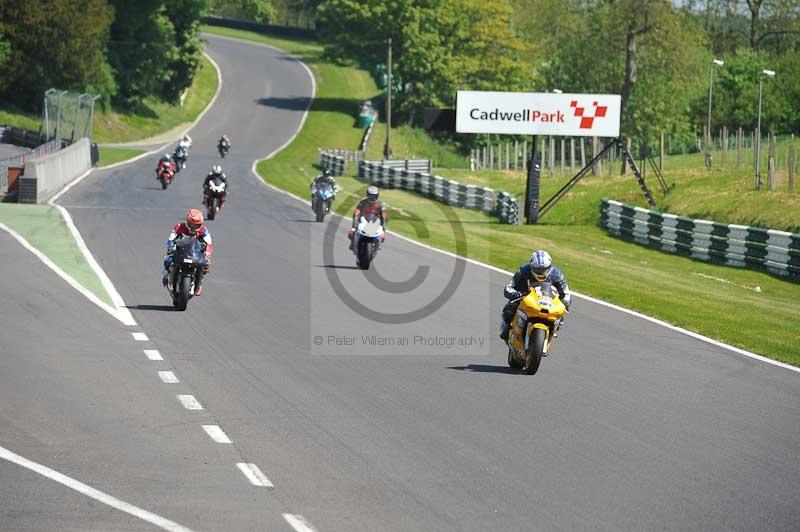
x: 537, y: 113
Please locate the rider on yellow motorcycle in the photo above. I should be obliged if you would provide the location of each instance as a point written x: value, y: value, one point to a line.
x: 539, y: 269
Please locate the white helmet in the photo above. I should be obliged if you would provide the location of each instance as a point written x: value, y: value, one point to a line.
x: 541, y: 264
x: 216, y: 169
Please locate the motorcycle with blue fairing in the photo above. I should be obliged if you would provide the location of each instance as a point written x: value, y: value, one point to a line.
x: 322, y: 199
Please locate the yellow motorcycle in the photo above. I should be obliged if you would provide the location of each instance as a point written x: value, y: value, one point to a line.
x: 533, y: 327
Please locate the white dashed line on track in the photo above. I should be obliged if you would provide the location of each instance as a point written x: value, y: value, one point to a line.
x: 216, y: 434
x: 299, y: 523
x: 189, y: 402
x: 140, y: 337
x: 153, y: 354
x: 168, y: 377
x: 254, y: 475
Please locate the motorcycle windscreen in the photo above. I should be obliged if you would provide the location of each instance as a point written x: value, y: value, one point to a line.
x: 188, y: 249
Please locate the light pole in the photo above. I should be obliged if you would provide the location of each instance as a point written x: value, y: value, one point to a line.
x: 769, y: 74
x: 708, y: 128
x: 387, y: 150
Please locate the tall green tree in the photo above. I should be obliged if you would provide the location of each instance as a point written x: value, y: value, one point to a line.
x: 185, y: 18
x: 261, y: 11
x: 141, y: 49
x: 438, y: 46
x: 53, y: 43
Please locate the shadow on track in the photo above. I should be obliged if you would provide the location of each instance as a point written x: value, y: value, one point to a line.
x: 485, y: 368
x: 162, y: 308
x: 337, y: 267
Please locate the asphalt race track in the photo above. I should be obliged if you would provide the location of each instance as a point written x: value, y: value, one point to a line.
x: 627, y: 426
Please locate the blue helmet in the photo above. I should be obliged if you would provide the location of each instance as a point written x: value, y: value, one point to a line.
x: 541, y: 264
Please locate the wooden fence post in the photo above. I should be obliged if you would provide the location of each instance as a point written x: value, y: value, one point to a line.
x: 516, y: 155
x: 661, y: 152
x: 563, y: 155
x: 724, y: 140
x: 572, y: 155
x: 583, y: 152
x: 791, y: 166
x: 771, y: 162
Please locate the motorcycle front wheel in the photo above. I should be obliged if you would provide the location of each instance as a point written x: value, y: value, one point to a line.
x: 364, y: 256
x: 182, y: 295
x: 212, y: 208
x: 321, y: 208
x: 163, y: 183
x: 535, y: 349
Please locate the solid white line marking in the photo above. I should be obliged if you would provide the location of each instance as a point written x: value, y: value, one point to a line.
x: 123, y: 314
x: 254, y: 475
x: 61, y: 273
x: 216, y: 434
x: 299, y: 523
x: 140, y: 337
x: 153, y: 354
x: 95, y: 494
x: 189, y: 402
x: 168, y: 377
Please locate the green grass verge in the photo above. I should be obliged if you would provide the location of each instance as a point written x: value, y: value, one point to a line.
x: 153, y: 117
x: 109, y: 155
x: 45, y: 229
x: 701, y: 297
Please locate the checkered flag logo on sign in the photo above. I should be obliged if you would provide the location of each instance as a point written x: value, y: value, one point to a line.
x: 586, y: 120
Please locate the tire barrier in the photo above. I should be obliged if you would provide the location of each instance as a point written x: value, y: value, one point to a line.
x: 742, y: 246
x: 499, y: 203
x: 328, y: 161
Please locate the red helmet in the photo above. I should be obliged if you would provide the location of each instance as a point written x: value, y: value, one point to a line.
x: 194, y: 219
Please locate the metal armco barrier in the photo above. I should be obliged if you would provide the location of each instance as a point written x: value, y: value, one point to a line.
x: 412, y: 165
x: 729, y: 244
x: 499, y: 203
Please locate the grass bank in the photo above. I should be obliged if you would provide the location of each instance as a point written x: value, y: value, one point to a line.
x: 109, y: 155
x: 44, y: 228
x: 701, y: 297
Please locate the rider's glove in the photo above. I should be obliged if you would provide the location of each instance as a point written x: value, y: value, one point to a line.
x: 170, y: 246
x: 515, y: 295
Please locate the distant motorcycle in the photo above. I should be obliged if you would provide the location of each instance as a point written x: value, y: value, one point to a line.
x: 321, y: 200
x: 214, y: 195
x: 180, y: 157
x: 367, y: 240
x: 533, y: 327
x: 224, y: 148
x: 187, y: 260
x: 165, y: 176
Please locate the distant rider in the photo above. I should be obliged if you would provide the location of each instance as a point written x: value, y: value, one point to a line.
x: 326, y: 177
x: 185, y: 142
x: 165, y: 162
x: 224, y: 141
x: 366, y: 207
x: 539, y: 269
x: 193, y: 228
x: 216, y: 173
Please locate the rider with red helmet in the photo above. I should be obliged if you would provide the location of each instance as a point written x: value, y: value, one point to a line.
x: 165, y: 162
x: 192, y: 228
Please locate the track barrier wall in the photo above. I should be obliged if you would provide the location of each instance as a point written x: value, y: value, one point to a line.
x: 777, y: 252
x: 45, y: 176
x: 397, y: 175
